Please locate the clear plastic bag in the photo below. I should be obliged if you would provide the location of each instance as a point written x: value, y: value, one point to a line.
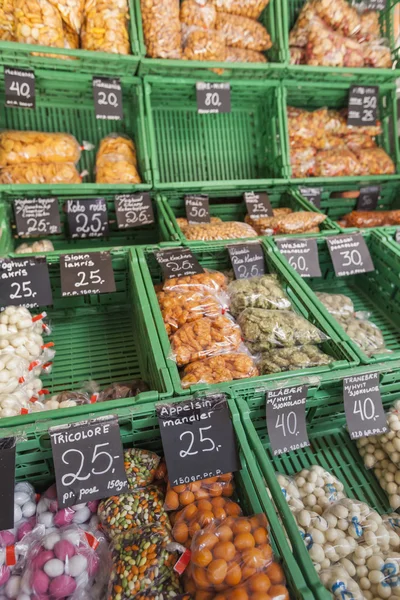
x: 377, y: 54
x: 337, y: 163
x: 7, y: 25
x: 198, y: 13
x: 140, y: 507
x: 365, y: 334
x: 17, y: 372
x: 118, y: 390
x: 218, y: 369
x: 297, y: 55
x: 371, y: 451
x: 39, y: 246
x: 318, y: 488
x: 266, y: 225
x: 298, y: 222
x: 161, y: 28
x: 387, y: 473
x: 105, y: 27
x: 375, y: 161
x: 24, y: 514
x: 204, y: 338
x: 302, y: 162
x: 71, y: 38
x: 120, y: 145
x: 202, y: 44
x: 241, y: 32
x: 337, y: 305
x: 266, y: 329
x: 200, y: 514
x: 18, y: 147
x: 337, y: 580
x: 357, y: 141
x: 82, y: 515
x: 71, y: 12
x: 257, y: 292
x: 183, y: 223
x: 307, y: 126
x: 330, y: 48
x: 251, y: 8
x: 339, y: 15
x: 390, y: 441
x: 40, y: 173
x: 211, y: 281
x: 220, y: 231
x: 234, y: 55
x: 179, y: 496
x: 180, y: 307
x: 140, y: 467
x: 38, y: 22
x: 298, y: 36
x: 113, y: 168
x: 375, y: 218
x: 290, y: 359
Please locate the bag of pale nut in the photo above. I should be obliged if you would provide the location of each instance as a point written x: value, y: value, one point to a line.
x: 7, y: 21
x: 226, y: 230
x: 251, y: 8
x: 203, y: 44
x: 240, y: 55
x: 105, y: 27
x: 198, y: 13
x: 40, y: 173
x: 18, y: 147
x: 71, y: 12
x: 38, y: 22
x: 241, y: 32
x: 161, y: 28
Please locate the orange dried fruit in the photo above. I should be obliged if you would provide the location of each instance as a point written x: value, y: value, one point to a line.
x: 244, y: 541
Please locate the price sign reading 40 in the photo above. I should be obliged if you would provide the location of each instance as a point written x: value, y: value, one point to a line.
x: 24, y: 282
x: 349, y: 254
x: 88, y: 460
x: 19, y: 87
x: 198, y: 439
x: 365, y: 414
x: 286, y: 419
x: 213, y: 98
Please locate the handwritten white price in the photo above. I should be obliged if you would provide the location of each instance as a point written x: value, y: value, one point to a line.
x: 288, y: 423
x: 87, y: 279
x: 22, y: 291
x: 208, y: 444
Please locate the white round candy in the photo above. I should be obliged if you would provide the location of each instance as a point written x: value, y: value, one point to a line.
x: 28, y: 510
x: 54, y: 567
x: 17, y: 513
x: 13, y: 586
x: 82, y: 515
x: 51, y: 540
x: 21, y: 498
x: 76, y: 565
x: 46, y: 519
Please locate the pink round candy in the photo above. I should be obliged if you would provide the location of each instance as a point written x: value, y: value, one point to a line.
x: 4, y: 574
x: 92, y: 505
x: 63, y: 517
x: 51, y: 492
x: 42, y: 597
x: 42, y: 558
x: 7, y: 537
x: 25, y: 528
x: 62, y: 586
x: 64, y: 549
x: 40, y: 582
x: 53, y: 506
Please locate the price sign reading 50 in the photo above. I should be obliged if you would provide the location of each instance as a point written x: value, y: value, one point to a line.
x: 89, y: 461
x: 198, y: 438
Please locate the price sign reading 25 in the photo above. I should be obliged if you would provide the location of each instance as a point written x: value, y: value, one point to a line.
x: 198, y: 439
x: 89, y: 461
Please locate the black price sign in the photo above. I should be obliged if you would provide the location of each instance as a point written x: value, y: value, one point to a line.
x: 350, y: 255
x: 213, y: 98
x: 19, y: 87
x: 312, y: 194
x: 7, y: 475
x: 37, y: 216
x: 24, y: 282
x: 197, y: 209
x: 178, y: 262
x: 198, y: 439
x: 363, y: 105
x: 88, y: 461
x: 302, y: 255
x: 286, y: 419
x: 375, y: 4
x: 258, y: 205
x: 107, y: 94
x: 368, y: 198
x: 247, y: 260
x: 87, y: 218
x: 133, y: 210
x: 86, y: 273
x: 397, y: 238
x: 365, y: 415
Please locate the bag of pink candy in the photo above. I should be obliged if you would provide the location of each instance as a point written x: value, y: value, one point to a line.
x: 52, y: 517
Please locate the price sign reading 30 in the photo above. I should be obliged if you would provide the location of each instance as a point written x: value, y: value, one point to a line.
x: 198, y: 439
x: 89, y: 461
x: 349, y: 254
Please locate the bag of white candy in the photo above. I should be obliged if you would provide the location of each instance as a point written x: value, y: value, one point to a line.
x: 318, y: 488
x: 51, y: 516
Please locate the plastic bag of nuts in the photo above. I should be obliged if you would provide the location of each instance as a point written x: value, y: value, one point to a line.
x: 116, y: 143
x: 140, y: 466
x: 337, y: 163
x: 217, y: 369
x: 339, y: 15
x: 179, y: 307
x: 198, y: 13
x: 71, y: 38
x: 290, y: 359
x: 71, y: 12
x: 204, y: 338
x: 116, y: 161
x: 302, y: 161
x: 299, y: 34
x: 18, y: 147
x: 7, y: 21
x: 211, y: 281
x: 258, y: 292
x: 239, y: 55
x: 40, y: 173
x: 181, y: 495
x: 337, y: 305
x: 377, y: 54
x: 161, y: 28
x: 105, y: 27
x: 375, y: 161
x: 297, y: 56
x: 241, y: 32
x: 202, y: 44
x: 251, y: 8
x: 226, y: 230
x: 38, y: 22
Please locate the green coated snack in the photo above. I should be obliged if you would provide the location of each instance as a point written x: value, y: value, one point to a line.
x: 257, y: 292
x: 290, y: 359
x: 338, y: 305
x: 140, y: 467
x: 365, y: 334
x: 140, y: 507
x: 266, y: 329
x: 142, y: 565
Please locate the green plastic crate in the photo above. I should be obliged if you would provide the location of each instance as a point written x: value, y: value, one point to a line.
x: 139, y: 428
x: 337, y: 208
x: 376, y: 293
x: 229, y: 205
x: 290, y: 10
x: 310, y: 96
x: 148, y: 234
x: 331, y: 447
x: 215, y: 256
x: 190, y: 151
x: 64, y: 103
x: 271, y: 18
x: 106, y: 338
x: 13, y: 54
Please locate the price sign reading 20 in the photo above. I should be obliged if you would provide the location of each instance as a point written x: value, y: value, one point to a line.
x: 89, y: 461
x: 198, y: 439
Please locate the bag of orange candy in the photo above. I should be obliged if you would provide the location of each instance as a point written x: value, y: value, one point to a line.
x: 236, y: 552
x: 181, y: 495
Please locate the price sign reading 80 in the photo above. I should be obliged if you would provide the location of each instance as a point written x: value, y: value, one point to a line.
x: 350, y: 255
x: 89, y: 461
x: 198, y: 439
x: 286, y: 419
x: 213, y: 98
x: 365, y: 415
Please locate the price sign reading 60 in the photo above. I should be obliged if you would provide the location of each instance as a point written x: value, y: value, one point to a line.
x: 89, y: 461
x: 198, y: 439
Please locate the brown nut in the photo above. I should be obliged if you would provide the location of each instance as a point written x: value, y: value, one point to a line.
x: 40, y: 173
x: 250, y: 8
x: 105, y: 27
x: 212, y: 281
x: 336, y: 163
x: 339, y: 15
x: 204, y: 45
x: 299, y: 222
x: 198, y: 14
x: 161, y: 28
x: 203, y: 338
x: 227, y: 230
x: 375, y: 161
x: 241, y: 55
x: 180, y: 307
x: 225, y: 367
x: 184, y: 223
x: 241, y: 32
x: 35, y: 147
